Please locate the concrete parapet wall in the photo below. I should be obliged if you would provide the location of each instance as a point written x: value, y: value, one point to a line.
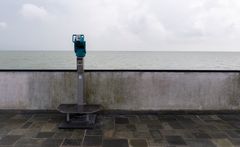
x: 123, y: 90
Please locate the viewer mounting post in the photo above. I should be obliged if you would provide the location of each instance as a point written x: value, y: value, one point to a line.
x: 80, y: 115
x: 80, y: 51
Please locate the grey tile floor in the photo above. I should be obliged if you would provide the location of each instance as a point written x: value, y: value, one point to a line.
x: 41, y: 130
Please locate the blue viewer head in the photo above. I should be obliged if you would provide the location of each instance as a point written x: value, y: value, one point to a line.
x: 79, y: 45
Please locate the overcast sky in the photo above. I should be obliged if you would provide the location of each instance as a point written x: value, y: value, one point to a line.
x: 145, y: 25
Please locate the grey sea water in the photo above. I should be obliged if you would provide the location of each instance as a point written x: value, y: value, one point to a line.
x: 121, y: 60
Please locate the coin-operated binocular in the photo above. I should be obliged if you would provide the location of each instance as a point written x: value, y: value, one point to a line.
x: 79, y: 115
x: 79, y: 45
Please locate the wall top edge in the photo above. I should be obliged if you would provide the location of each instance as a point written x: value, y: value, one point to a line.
x: 112, y: 70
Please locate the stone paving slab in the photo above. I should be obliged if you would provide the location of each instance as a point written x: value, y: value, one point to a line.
x: 41, y: 130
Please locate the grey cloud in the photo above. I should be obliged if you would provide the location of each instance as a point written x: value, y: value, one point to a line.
x: 171, y: 25
x: 3, y: 25
x: 33, y: 12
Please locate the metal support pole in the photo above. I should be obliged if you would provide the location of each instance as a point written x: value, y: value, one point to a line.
x: 68, y: 117
x: 80, y: 83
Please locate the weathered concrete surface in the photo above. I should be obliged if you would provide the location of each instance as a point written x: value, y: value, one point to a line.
x: 123, y: 90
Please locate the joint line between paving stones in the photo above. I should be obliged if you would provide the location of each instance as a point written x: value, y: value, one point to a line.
x: 62, y: 142
x: 85, y: 131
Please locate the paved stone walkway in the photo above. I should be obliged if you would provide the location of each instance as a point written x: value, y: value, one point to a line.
x: 35, y: 130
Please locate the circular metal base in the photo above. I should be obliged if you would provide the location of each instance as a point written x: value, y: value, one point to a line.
x: 79, y: 109
x: 79, y: 116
